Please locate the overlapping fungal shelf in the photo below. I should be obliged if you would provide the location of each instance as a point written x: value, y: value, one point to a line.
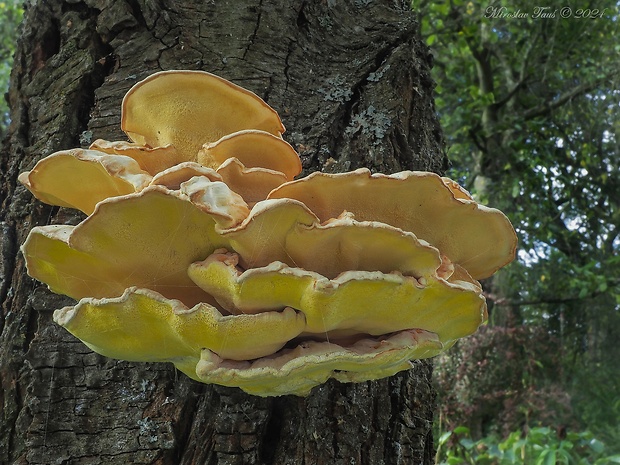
x: 201, y: 249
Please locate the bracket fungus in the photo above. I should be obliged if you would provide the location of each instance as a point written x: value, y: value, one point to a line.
x: 201, y: 249
x: 188, y: 109
x: 100, y: 176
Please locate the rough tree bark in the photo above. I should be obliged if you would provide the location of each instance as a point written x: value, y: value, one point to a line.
x: 351, y: 82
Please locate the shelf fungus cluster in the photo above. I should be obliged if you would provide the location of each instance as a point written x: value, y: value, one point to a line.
x: 199, y: 248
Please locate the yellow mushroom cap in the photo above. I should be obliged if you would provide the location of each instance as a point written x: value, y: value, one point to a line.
x: 147, y: 239
x: 254, y: 149
x: 142, y: 325
x: 253, y: 184
x: 151, y: 159
x: 479, y: 238
x: 173, y: 177
x: 457, y: 190
x: 227, y: 208
x: 200, y: 250
x: 286, y: 230
x: 191, y: 108
x: 80, y: 178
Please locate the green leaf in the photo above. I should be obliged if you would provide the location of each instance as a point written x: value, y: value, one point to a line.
x: 461, y: 430
x: 467, y: 443
x: 596, y: 445
x: 510, y: 456
x: 612, y: 459
x: 547, y: 458
x: 444, y: 437
x: 440, y: 8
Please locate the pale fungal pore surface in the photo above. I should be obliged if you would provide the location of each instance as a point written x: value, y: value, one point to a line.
x: 201, y: 249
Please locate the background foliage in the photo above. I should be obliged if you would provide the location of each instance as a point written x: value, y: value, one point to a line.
x: 539, y: 446
x: 10, y: 16
x: 529, y: 105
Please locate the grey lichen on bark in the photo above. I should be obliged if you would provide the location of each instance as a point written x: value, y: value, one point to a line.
x: 351, y: 81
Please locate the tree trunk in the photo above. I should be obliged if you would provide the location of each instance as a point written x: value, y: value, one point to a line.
x: 351, y: 82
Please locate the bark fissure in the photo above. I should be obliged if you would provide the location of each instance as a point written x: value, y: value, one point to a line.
x: 136, y: 12
x: 8, y: 253
x: 349, y: 109
x: 259, y: 11
x: 273, y: 428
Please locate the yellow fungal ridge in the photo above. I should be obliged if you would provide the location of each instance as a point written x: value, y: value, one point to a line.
x: 173, y: 177
x: 287, y: 231
x: 149, y: 239
x: 355, y: 302
x: 150, y: 159
x: 253, y: 184
x: 143, y: 326
x: 99, y: 175
x: 296, y: 371
x: 124, y: 244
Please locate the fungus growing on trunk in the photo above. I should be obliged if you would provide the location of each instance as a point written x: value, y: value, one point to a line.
x: 173, y: 117
x: 188, y: 109
x: 254, y: 149
x: 353, y: 303
x: 479, y: 238
x: 201, y: 250
x: 143, y: 326
x: 53, y: 180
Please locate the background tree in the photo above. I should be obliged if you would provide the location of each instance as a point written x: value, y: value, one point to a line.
x: 10, y: 16
x: 352, y: 83
x: 530, y: 107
